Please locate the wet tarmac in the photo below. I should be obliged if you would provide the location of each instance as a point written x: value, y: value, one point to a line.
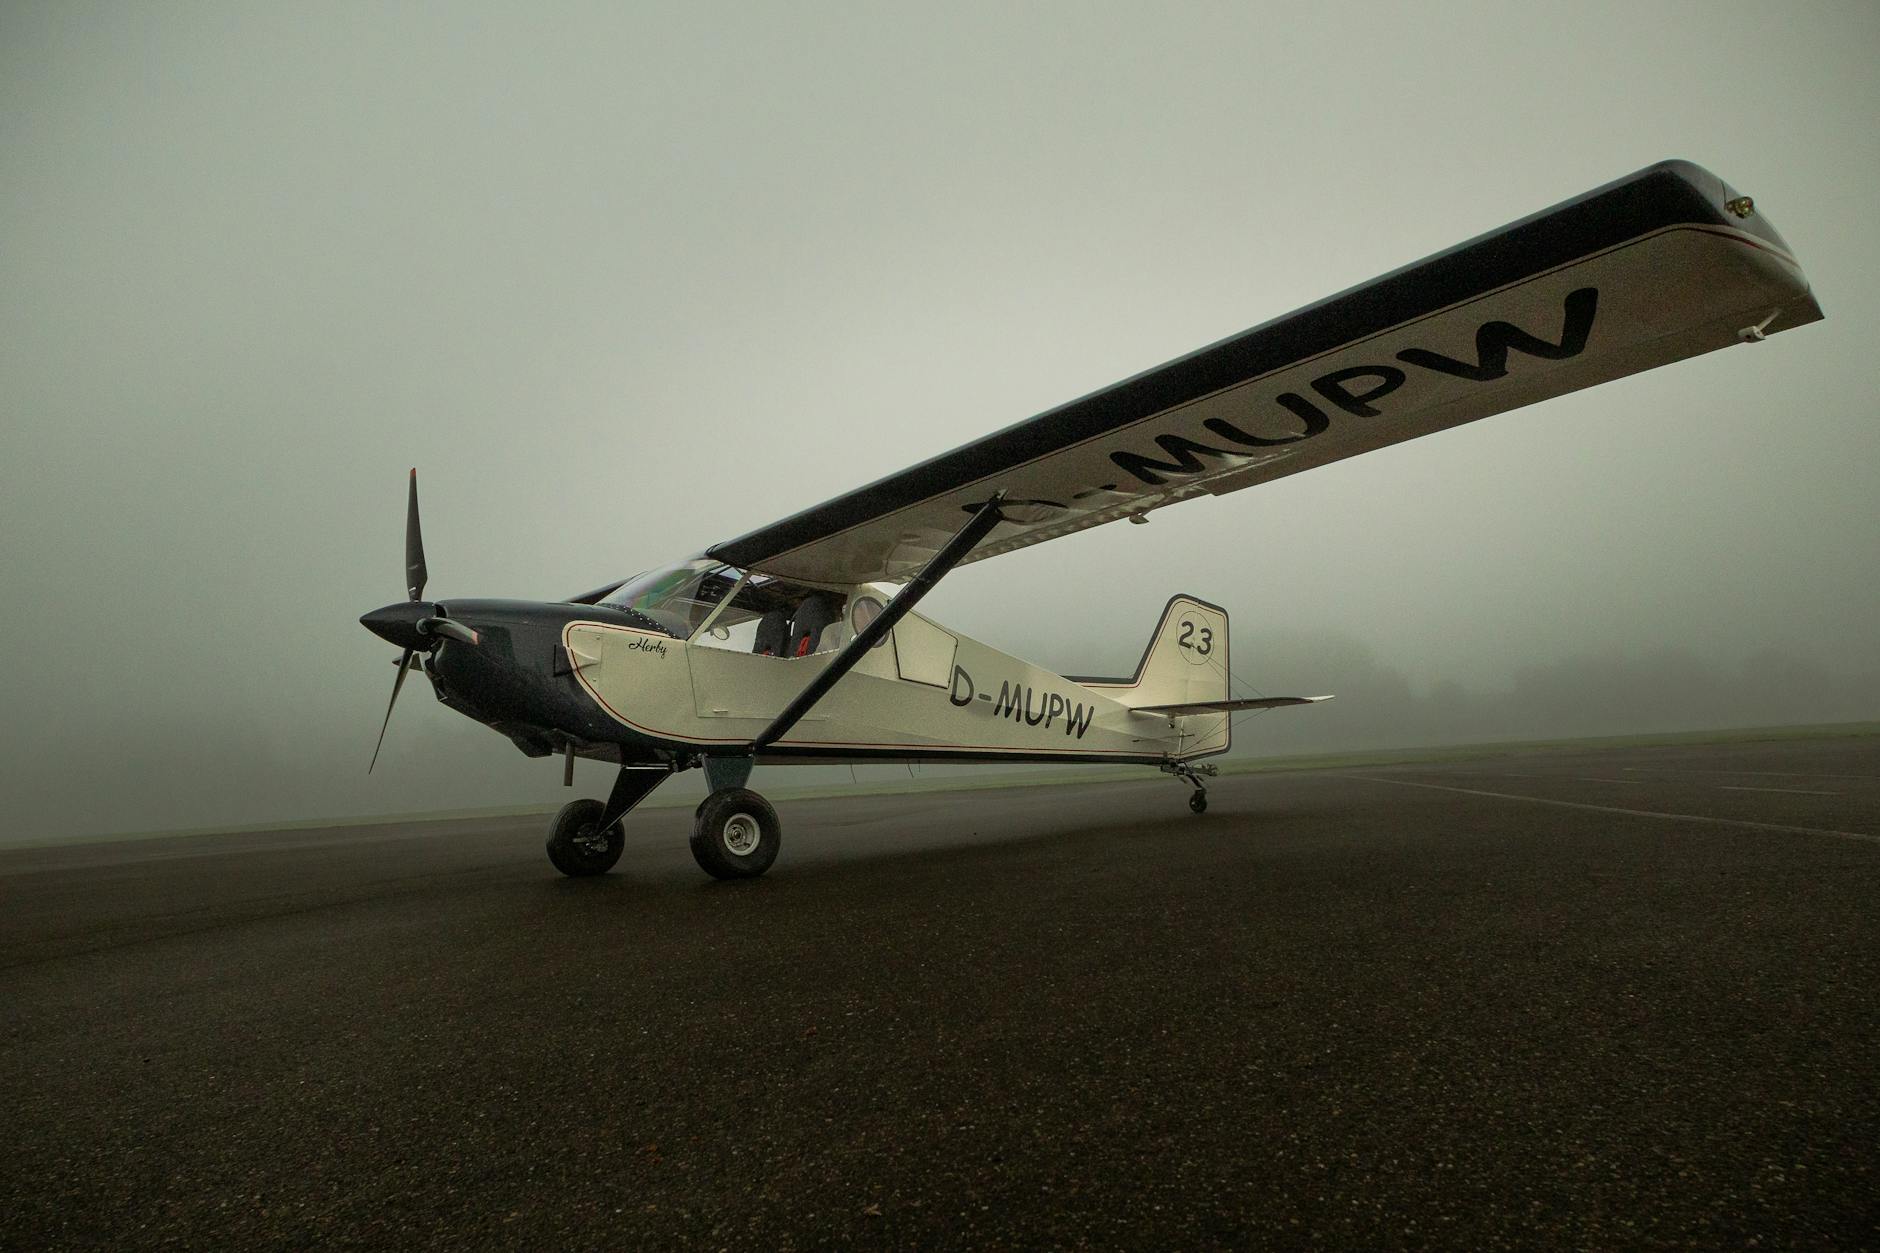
x: 1601, y: 998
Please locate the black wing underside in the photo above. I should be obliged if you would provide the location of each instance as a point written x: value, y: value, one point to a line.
x: 1665, y: 264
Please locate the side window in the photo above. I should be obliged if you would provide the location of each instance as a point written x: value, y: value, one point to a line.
x: 777, y: 619
x: 923, y: 652
x: 733, y: 636
x: 864, y: 610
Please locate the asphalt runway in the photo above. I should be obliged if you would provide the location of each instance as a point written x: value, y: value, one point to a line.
x: 1586, y: 999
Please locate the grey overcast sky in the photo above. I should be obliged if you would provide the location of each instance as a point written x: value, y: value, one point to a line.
x: 624, y: 281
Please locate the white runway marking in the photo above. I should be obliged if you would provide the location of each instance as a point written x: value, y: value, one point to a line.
x: 1636, y: 813
x: 1787, y: 791
x: 1771, y: 774
x: 1588, y: 778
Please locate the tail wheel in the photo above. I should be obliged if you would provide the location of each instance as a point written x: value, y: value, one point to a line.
x: 735, y: 834
x: 578, y: 846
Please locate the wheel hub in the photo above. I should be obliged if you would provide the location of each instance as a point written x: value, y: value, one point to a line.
x: 741, y: 835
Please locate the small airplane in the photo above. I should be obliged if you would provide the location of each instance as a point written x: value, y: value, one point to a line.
x: 798, y: 642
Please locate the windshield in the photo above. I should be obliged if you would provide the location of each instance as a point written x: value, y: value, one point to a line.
x: 678, y: 597
x: 682, y: 598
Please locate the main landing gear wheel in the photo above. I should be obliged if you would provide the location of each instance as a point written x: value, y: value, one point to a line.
x: 576, y: 844
x: 1199, y: 801
x: 735, y: 834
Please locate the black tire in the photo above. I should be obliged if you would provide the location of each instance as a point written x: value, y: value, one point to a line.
x: 1199, y: 802
x: 576, y: 847
x: 735, y: 834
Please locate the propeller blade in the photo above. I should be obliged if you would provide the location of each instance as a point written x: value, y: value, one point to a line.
x: 415, y: 573
x: 404, y: 667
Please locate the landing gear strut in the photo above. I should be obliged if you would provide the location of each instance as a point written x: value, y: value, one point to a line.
x: 735, y: 832
x: 1198, y: 802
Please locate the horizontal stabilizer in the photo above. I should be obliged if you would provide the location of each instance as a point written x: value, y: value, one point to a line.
x: 1226, y: 706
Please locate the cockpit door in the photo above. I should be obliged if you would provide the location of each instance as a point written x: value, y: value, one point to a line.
x: 727, y: 684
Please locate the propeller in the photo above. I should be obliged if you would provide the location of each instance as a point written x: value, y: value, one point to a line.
x: 415, y: 573
x: 385, y: 620
x: 404, y: 668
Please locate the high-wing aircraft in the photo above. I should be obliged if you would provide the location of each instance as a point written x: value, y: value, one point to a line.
x: 798, y: 642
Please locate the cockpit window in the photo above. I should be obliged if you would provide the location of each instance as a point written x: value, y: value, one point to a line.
x: 766, y: 614
x: 678, y: 597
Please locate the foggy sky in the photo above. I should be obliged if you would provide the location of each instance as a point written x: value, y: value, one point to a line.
x: 623, y: 284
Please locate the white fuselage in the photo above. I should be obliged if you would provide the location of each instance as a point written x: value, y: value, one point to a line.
x: 923, y: 693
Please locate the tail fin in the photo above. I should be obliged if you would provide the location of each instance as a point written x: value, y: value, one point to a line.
x: 1185, y: 663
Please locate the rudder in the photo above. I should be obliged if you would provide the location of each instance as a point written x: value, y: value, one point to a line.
x: 1186, y: 659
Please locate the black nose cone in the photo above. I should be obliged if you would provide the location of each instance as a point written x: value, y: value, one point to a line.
x: 397, y: 623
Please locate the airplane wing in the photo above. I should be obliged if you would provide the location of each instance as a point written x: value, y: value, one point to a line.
x: 1665, y: 264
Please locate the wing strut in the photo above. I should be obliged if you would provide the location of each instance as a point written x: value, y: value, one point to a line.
x: 983, y: 520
